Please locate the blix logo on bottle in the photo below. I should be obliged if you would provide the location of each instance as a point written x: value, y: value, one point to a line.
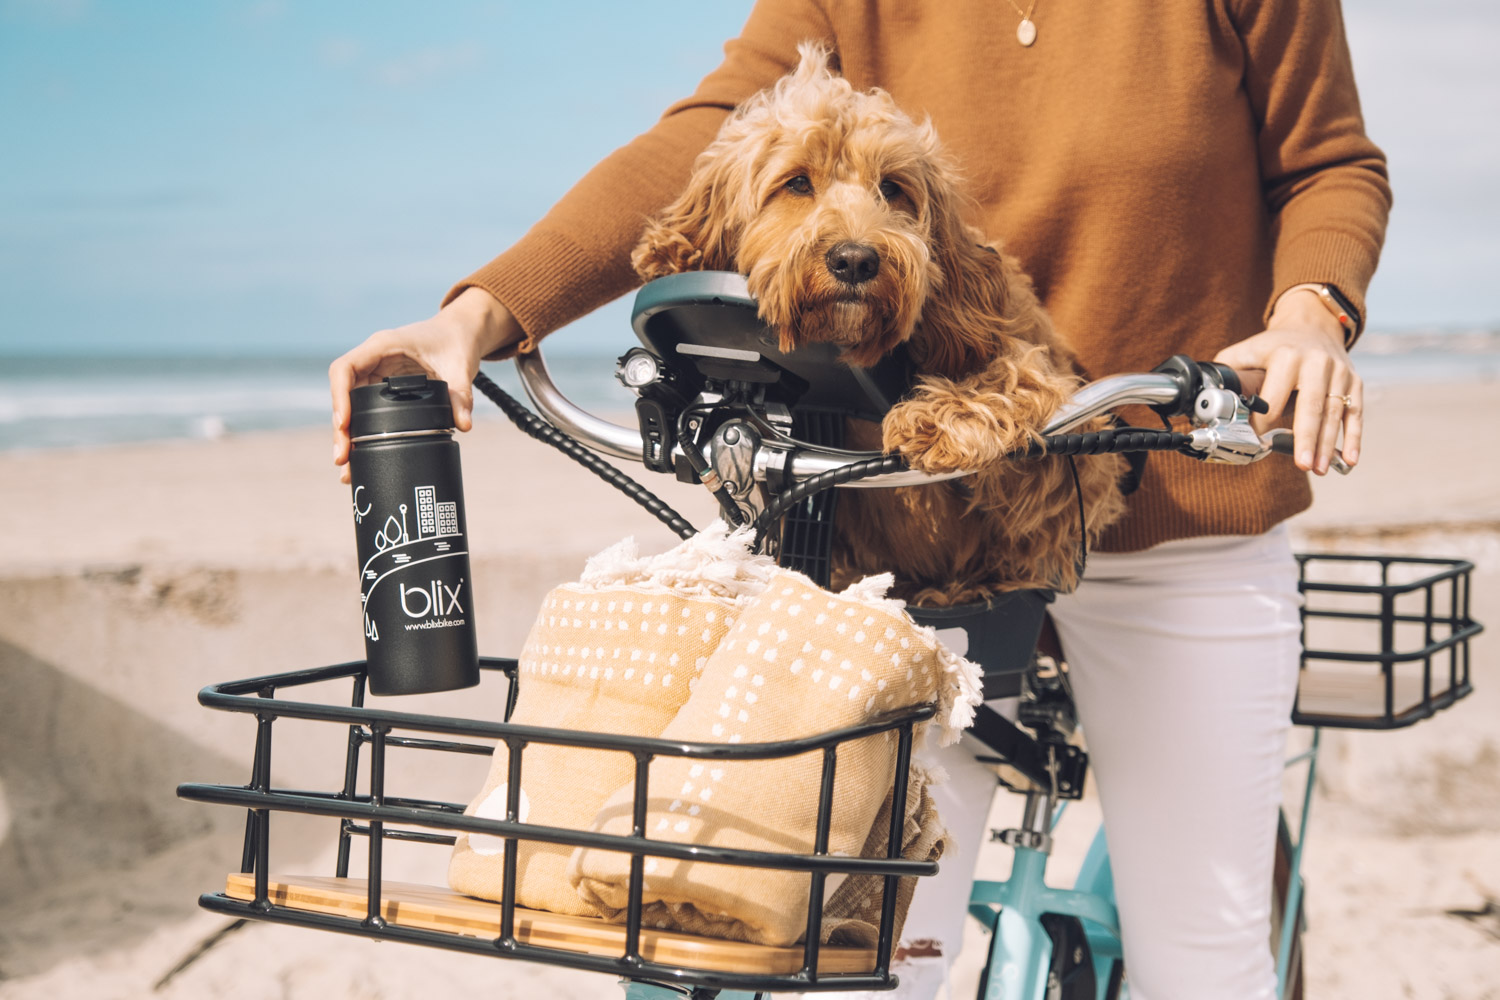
x: 437, y: 598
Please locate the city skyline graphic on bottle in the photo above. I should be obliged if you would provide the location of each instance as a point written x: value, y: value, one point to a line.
x: 437, y: 522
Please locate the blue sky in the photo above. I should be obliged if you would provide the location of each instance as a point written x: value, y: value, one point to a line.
x: 263, y: 176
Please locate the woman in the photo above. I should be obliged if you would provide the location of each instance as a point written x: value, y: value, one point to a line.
x: 1177, y: 178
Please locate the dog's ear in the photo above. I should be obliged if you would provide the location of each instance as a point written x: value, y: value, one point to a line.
x: 984, y: 295
x: 694, y: 233
x: 700, y: 231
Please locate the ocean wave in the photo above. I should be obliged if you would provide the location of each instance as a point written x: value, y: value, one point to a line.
x: 74, y: 405
x: 62, y: 403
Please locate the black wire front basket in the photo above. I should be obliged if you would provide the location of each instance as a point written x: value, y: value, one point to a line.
x: 1385, y: 639
x: 422, y: 915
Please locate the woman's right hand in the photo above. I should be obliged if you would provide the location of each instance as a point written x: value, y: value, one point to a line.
x: 448, y: 346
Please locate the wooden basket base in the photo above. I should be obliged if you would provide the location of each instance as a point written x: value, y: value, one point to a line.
x: 434, y: 909
x: 1351, y: 694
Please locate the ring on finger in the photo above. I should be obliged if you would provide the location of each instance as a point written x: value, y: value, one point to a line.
x: 1344, y: 398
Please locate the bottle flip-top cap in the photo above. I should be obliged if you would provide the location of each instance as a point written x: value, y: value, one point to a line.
x: 399, y: 404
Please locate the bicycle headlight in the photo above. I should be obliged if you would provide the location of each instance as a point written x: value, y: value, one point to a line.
x: 638, y: 369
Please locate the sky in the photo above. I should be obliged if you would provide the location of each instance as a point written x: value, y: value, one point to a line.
x: 260, y: 176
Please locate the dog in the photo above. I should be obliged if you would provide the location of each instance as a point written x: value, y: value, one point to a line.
x: 849, y: 224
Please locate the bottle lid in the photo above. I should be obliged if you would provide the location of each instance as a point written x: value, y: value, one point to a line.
x: 400, y: 403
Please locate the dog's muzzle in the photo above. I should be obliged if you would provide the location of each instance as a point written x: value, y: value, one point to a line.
x: 853, y: 263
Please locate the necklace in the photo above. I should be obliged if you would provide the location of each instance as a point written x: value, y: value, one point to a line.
x: 1026, y: 30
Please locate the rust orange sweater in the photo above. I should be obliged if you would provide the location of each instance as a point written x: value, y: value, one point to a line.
x: 1163, y: 170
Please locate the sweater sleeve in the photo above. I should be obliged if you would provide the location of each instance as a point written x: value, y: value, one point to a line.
x: 578, y: 256
x: 1325, y: 181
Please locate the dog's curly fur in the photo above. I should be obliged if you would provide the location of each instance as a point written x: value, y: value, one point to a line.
x: 811, y: 165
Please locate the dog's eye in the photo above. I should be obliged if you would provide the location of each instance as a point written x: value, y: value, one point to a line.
x: 799, y: 185
x: 890, y: 190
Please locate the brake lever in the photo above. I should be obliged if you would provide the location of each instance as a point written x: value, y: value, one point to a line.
x: 1223, y: 433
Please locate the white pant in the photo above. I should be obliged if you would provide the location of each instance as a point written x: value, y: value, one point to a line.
x: 1183, y: 660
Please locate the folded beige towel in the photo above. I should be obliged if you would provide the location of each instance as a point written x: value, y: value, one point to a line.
x: 851, y: 914
x: 799, y: 661
x: 615, y: 653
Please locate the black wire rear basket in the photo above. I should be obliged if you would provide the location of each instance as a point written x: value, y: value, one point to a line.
x: 1385, y: 639
x: 368, y: 908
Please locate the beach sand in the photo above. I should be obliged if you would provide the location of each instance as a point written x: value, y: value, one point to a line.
x: 131, y: 577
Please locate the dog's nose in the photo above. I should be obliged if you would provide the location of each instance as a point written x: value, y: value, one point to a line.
x: 853, y: 263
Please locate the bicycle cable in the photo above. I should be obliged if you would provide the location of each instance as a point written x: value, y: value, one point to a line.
x: 540, y: 429
x: 1089, y: 443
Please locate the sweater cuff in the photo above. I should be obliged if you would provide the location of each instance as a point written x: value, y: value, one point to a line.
x: 572, y: 282
x: 1342, y: 260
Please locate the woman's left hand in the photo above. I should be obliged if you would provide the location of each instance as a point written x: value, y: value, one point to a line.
x: 1302, y: 350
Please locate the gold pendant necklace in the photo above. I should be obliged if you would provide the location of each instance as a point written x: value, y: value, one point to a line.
x: 1026, y: 30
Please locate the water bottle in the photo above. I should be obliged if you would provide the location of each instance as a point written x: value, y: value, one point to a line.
x: 414, y: 574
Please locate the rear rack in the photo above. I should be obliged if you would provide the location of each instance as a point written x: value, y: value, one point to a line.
x: 813, y: 967
x: 1385, y: 639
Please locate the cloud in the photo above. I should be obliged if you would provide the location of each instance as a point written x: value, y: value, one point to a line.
x: 427, y: 64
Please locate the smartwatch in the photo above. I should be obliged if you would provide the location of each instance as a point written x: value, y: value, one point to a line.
x: 1334, y: 301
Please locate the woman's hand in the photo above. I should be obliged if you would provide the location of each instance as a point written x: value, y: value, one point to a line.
x: 1302, y: 350
x: 448, y: 346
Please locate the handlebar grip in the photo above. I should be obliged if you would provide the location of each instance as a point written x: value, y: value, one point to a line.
x: 1250, y: 381
x: 1282, y: 442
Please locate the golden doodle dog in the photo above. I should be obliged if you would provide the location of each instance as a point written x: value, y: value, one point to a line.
x: 848, y: 223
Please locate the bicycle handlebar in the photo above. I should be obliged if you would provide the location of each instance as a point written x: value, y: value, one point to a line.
x: 601, y: 435
x: 605, y: 437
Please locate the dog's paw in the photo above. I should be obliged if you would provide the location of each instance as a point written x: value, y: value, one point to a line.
x: 664, y: 251
x: 941, y: 431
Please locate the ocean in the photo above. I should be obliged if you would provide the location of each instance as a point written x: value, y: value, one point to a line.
x: 86, y: 402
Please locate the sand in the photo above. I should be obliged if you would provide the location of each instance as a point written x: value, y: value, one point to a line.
x: 131, y: 577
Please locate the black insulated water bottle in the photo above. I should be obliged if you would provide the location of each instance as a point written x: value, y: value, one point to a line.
x: 415, y: 583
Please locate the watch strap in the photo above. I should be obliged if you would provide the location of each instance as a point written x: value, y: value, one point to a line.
x: 1335, y: 302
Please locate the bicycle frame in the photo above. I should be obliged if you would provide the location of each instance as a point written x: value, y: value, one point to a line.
x: 1020, y: 951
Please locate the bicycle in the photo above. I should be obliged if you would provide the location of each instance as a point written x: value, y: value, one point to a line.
x: 716, y: 402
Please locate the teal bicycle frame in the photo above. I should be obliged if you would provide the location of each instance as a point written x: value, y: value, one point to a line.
x: 1021, y: 950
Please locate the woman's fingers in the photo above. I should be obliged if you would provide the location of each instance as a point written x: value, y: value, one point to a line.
x: 458, y: 373
x: 440, y: 348
x: 340, y: 383
x: 1354, y: 420
x: 380, y: 355
x: 341, y: 376
x: 1336, y: 409
x: 1276, y: 389
x: 462, y: 398
x: 1345, y: 412
x: 1312, y: 410
x: 1299, y: 357
x: 1314, y: 384
x: 446, y: 346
